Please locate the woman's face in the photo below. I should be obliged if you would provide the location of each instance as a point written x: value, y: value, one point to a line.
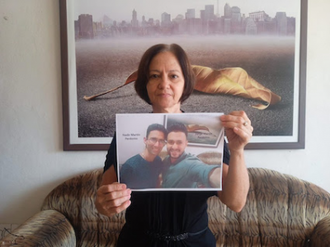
x: 166, y: 83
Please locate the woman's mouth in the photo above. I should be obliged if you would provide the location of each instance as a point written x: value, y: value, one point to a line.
x: 165, y: 94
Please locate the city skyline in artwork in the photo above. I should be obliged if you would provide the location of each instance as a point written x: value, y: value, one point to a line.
x: 193, y: 21
x: 150, y: 9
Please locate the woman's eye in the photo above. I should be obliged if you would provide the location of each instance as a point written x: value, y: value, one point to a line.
x: 153, y: 76
x: 174, y: 76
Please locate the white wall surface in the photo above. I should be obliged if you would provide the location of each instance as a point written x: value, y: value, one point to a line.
x: 32, y: 162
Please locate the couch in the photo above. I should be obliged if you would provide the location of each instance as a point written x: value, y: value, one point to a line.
x: 281, y: 210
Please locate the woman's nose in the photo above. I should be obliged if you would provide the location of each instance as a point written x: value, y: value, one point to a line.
x: 164, y: 82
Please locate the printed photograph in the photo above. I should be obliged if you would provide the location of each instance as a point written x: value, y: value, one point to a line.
x: 170, y: 151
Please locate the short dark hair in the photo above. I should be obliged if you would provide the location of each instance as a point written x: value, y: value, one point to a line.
x: 143, y: 70
x: 177, y: 127
x: 158, y: 127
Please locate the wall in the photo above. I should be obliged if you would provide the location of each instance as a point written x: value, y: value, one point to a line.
x: 32, y: 162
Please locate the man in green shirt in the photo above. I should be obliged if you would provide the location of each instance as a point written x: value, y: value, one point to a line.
x: 182, y: 170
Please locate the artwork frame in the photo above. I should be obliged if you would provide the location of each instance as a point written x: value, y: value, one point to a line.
x: 70, y: 137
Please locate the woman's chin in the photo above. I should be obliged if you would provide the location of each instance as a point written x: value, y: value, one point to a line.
x: 165, y: 105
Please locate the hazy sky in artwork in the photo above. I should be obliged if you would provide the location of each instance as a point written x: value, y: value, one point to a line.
x: 119, y: 10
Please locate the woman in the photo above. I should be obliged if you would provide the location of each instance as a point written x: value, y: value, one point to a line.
x: 173, y: 218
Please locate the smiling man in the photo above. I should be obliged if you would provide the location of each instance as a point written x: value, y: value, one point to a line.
x: 143, y: 170
x: 182, y: 170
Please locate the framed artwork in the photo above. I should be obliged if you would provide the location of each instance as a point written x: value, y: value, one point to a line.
x: 170, y: 151
x: 257, y: 50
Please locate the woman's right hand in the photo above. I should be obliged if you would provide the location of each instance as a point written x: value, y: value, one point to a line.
x: 112, y: 198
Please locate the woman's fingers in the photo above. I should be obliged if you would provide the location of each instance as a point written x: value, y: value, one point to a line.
x: 235, y: 119
x: 113, y: 198
x: 238, y: 128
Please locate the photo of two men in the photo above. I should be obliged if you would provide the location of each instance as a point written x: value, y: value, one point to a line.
x: 170, y: 152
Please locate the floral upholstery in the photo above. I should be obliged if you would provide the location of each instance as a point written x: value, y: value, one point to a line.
x: 281, y: 210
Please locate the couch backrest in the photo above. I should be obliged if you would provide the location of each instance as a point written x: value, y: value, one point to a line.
x: 281, y: 210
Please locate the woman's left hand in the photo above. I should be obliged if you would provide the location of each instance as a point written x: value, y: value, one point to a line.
x: 238, y: 129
